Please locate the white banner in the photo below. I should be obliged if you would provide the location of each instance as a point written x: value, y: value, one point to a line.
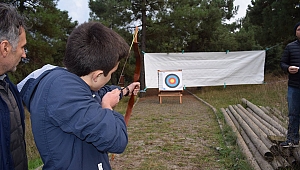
x: 207, y: 68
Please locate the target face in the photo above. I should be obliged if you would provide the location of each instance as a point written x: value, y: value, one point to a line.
x: 172, y: 80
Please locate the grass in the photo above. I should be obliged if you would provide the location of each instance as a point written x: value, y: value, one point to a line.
x: 272, y: 94
x: 170, y: 136
x: 33, y: 156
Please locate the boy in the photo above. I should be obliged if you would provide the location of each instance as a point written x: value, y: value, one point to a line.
x: 73, y: 123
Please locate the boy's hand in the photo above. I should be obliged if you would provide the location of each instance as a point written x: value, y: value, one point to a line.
x: 111, y: 99
x: 134, y: 88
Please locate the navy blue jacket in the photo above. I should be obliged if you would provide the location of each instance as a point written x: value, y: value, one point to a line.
x: 71, y: 129
x: 6, y: 162
x: 291, y: 57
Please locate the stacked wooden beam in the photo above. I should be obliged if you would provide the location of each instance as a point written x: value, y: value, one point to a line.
x: 259, y: 131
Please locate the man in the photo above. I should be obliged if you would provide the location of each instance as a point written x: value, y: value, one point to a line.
x: 12, y: 128
x: 290, y: 63
x: 73, y: 121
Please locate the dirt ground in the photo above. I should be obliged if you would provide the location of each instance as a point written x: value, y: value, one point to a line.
x: 171, y: 136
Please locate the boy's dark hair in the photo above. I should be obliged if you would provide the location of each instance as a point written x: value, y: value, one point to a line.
x: 92, y: 46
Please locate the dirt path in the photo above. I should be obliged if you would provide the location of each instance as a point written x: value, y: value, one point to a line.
x: 171, y: 136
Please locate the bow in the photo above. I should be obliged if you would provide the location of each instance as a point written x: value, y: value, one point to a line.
x: 136, y: 75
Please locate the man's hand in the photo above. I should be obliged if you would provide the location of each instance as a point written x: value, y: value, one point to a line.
x: 111, y: 99
x: 293, y: 69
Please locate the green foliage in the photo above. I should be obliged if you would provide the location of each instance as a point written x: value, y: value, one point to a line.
x: 48, y: 30
x: 276, y: 20
x: 273, y: 24
x: 273, y: 57
x: 165, y: 26
x: 111, y: 13
x: 171, y: 25
x: 175, y: 26
x: 199, y: 25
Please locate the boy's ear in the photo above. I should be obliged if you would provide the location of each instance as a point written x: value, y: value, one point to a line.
x: 97, y: 74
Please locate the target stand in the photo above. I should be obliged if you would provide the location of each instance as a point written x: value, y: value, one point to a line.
x: 170, y: 84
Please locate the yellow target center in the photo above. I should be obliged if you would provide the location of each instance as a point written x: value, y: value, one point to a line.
x: 172, y: 81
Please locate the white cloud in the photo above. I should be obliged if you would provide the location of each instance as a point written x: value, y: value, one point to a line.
x: 243, y: 5
x: 77, y: 9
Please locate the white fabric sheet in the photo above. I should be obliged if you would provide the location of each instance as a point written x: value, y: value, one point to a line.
x: 207, y: 68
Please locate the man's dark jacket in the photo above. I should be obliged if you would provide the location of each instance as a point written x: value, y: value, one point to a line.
x: 291, y: 57
x: 6, y: 162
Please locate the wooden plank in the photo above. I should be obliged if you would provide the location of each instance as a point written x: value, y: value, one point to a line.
x: 170, y: 94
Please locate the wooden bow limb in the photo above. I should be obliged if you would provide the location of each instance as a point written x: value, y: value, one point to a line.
x: 136, y: 78
x: 136, y: 75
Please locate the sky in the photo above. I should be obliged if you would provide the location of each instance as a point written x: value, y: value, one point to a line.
x: 243, y: 4
x: 79, y: 10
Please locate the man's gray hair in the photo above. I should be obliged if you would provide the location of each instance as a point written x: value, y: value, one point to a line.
x: 11, y: 23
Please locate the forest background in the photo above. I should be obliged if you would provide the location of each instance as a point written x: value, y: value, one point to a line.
x: 164, y: 27
x: 167, y: 26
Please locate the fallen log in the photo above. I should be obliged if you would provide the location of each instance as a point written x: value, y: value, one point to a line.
x: 278, y: 114
x: 257, y: 121
x: 282, y: 163
x: 240, y: 141
x: 296, y: 153
x: 261, y: 129
x: 275, y: 118
x: 257, y: 130
x: 262, y: 148
x: 263, y: 115
x: 267, y: 124
x: 264, y: 165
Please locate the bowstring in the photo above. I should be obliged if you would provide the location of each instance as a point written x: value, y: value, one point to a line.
x: 133, y: 39
x: 134, y: 35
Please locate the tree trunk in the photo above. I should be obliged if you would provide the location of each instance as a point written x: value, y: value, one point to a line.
x: 143, y: 47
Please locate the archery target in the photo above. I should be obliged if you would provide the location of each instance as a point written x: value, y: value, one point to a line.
x: 170, y: 80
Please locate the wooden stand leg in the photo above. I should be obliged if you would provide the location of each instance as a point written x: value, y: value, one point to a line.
x: 170, y: 94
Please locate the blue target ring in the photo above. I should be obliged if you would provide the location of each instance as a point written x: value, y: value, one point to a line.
x: 172, y: 80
